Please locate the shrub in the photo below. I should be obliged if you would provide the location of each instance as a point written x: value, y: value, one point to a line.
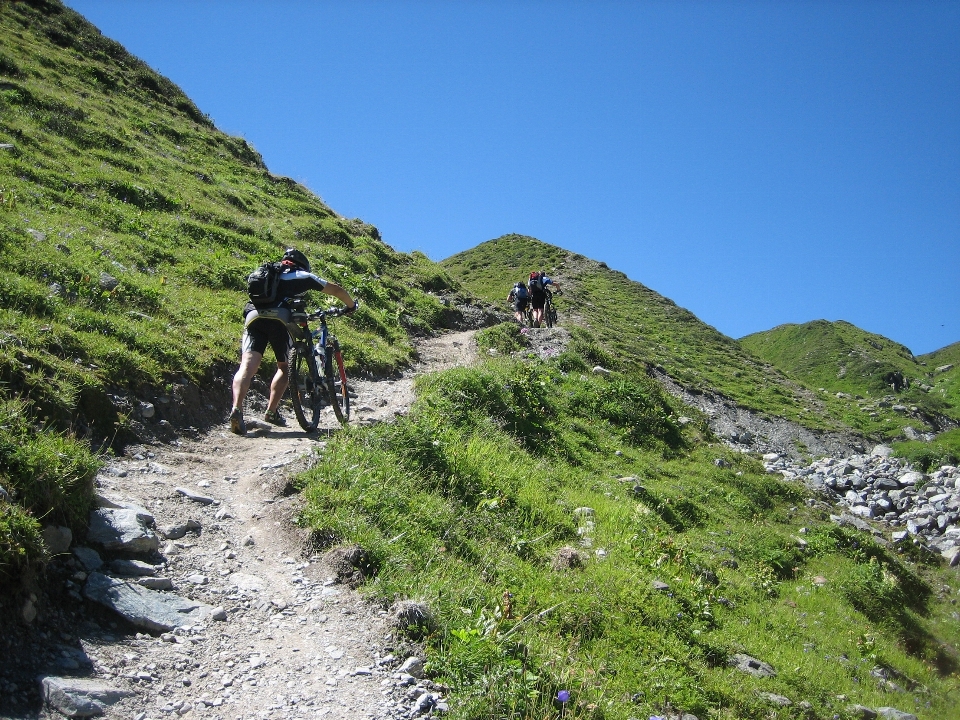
x: 21, y: 543
x: 944, y: 450
x: 505, y: 338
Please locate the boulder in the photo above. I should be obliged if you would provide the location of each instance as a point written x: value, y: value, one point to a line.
x: 122, y: 529
x: 88, y: 557
x: 79, y: 697
x: 57, y: 539
x: 154, y: 611
x: 751, y: 665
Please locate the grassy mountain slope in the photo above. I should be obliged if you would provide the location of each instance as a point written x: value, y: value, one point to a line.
x: 636, y: 326
x: 879, y: 374
x: 566, y: 534
x: 128, y: 224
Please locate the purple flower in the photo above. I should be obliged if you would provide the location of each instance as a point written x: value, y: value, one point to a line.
x: 655, y: 717
x: 563, y: 696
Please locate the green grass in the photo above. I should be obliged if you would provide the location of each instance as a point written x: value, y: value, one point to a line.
x: 128, y: 224
x: 945, y: 385
x: 871, y: 372
x: 473, y: 494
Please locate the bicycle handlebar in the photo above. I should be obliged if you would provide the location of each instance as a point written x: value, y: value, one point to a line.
x: 329, y: 312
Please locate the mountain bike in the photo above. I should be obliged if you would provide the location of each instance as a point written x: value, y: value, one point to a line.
x: 549, y: 310
x: 317, y: 376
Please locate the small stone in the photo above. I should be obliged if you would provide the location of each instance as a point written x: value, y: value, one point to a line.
x: 412, y: 666
x: 889, y: 713
x: 776, y: 699
x: 194, y: 496
x: 218, y: 613
x: 751, y: 665
x: 175, y: 532
x: 28, y: 611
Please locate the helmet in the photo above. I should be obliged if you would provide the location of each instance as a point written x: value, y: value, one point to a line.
x: 297, y: 258
x: 534, y: 275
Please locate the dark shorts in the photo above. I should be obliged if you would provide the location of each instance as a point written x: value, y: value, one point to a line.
x: 538, y: 300
x: 260, y: 333
x: 520, y: 304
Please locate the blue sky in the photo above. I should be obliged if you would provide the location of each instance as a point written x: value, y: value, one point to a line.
x: 756, y: 162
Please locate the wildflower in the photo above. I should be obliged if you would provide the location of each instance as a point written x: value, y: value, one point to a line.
x: 563, y: 696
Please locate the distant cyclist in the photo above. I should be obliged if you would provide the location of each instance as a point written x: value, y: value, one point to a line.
x: 538, y: 294
x: 258, y: 332
x: 519, y: 297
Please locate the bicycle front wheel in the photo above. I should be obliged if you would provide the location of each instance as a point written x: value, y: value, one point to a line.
x: 336, y: 377
x: 307, y: 389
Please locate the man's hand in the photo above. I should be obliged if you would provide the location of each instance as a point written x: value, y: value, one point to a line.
x: 352, y: 310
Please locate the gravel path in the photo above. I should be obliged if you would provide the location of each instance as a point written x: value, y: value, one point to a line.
x: 295, y: 642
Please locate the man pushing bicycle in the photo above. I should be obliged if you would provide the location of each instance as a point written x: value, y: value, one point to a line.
x: 262, y: 327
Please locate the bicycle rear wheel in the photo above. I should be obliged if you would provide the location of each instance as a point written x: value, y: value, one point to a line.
x: 307, y: 389
x: 336, y: 377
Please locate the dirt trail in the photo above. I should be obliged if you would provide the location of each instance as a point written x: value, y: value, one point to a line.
x: 295, y: 643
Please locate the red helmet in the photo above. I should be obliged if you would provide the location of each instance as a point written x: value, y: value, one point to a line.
x: 534, y: 275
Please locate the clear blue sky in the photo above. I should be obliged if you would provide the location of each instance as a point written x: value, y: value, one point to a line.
x: 757, y: 162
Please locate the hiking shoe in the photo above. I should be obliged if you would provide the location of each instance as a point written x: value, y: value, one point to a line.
x: 275, y: 418
x: 237, y: 425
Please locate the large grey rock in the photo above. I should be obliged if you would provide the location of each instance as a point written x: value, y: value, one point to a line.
x: 79, y: 697
x: 911, y: 477
x: 57, y: 538
x: 132, y: 568
x: 889, y: 713
x: 158, y: 612
x: 122, y: 529
x: 88, y: 557
x: 751, y: 665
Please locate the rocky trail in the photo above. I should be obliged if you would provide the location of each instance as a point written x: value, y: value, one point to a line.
x: 195, y: 594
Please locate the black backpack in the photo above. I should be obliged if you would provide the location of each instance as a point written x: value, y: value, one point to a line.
x: 262, y: 284
x: 536, y: 284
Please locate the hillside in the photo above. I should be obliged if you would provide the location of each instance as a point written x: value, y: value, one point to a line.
x: 128, y: 224
x: 884, y: 386
x: 637, y: 327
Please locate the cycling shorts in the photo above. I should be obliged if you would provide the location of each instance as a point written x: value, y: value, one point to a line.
x: 520, y: 304
x: 538, y: 300
x: 259, y: 333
